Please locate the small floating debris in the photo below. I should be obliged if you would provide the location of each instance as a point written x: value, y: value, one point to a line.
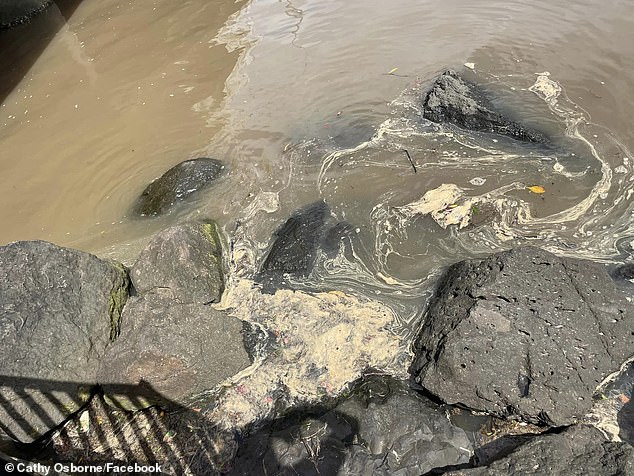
x: 536, y: 189
x: 470, y: 65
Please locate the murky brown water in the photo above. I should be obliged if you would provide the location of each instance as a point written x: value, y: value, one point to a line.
x: 288, y: 94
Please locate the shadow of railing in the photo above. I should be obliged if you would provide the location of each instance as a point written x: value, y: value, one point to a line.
x: 72, y: 422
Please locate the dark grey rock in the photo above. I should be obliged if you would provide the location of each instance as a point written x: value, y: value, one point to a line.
x: 453, y: 100
x: 59, y: 310
x: 187, y: 259
x: 624, y: 271
x: 294, y: 249
x: 524, y: 333
x: 16, y: 12
x: 176, y: 184
x: 577, y: 451
x: 180, y: 350
x: 383, y: 428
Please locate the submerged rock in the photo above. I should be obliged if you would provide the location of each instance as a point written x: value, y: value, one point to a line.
x: 176, y: 184
x: 382, y: 428
x: 187, y: 259
x: 294, y: 249
x: 311, y: 231
x: 524, y: 333
x: 59, y: 310
x: 577, y: 450
x: 180, y: 350
x: 451, y: 99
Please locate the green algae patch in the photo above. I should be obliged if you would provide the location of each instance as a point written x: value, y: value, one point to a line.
x: 118, y: 298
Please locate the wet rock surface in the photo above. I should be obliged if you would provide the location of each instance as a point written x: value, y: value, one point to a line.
x: 297, y: 243
x: 60, y: 309
x: 383, y: 427
x: 186, y: 259
x: 577, y: 450
x: 297, y: 382
x: 178, y: 349
x: 294, y: 248
x: 454, y: 100
x: 524, y: 333
x: 178, y: 183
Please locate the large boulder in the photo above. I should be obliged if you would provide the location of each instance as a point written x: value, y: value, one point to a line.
x: 176, y: 350
x: 172, y: 341
x: 524, y: 333
x: 382, y: 428
x: 59, y: 311
x: 577, y: 451
x: 187, y: 259
x: 454, y: 100
x: 176, y: 184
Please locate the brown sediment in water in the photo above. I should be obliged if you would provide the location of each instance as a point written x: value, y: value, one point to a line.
x: 108, y: 106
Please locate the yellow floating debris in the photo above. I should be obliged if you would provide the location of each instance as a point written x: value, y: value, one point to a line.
x: 537, y: 189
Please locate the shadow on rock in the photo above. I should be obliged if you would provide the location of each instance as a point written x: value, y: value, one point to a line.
x: 180, y: 441
x: 382, y: 427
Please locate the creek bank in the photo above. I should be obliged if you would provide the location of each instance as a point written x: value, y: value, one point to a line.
x: 212, y: 379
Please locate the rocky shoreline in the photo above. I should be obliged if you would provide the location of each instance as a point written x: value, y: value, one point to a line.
x: 521, y: 363
x: 523, y: 336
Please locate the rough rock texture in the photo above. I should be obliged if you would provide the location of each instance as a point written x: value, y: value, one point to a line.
x: 176, y: 184
x: 383, y: 428
x: 179, y: 350
x: 187, y: 259
x: 16, y: 12
x: 59, y: 309
x: 453, y: 100
x: 578, y: 450
x: 524, y: 333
